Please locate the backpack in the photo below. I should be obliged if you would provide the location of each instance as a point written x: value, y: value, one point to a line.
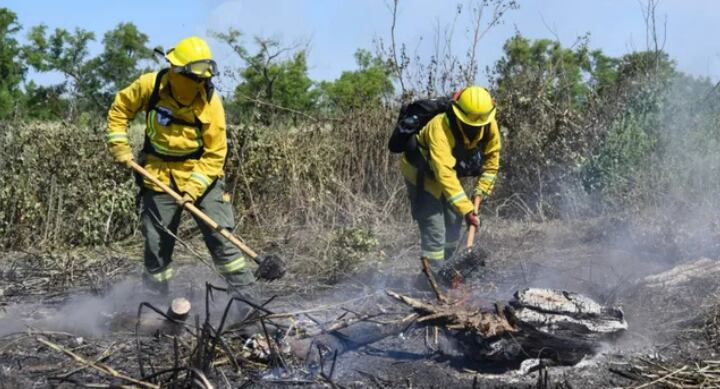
x: 413, y: 117
x: 169, y: 119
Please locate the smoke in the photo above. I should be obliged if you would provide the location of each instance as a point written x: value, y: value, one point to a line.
x: 83, y: 315
x: 664, y: 217
x: 116, y: 309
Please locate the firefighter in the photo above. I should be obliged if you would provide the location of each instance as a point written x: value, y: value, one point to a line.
x: 462, y: 141
x: 185, y: 147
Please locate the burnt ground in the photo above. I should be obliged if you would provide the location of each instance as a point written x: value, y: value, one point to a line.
x: 87, y: 303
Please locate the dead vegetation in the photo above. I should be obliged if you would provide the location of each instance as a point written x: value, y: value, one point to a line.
x: 539, y: 254
x: 53, y: 274
x: 263, y: 347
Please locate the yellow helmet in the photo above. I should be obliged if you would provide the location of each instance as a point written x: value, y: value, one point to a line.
x: 192, y: 56
x: 474, y: 106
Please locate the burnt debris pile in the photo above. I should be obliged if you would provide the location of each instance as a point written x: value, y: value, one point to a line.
x: 247, y: 342
x: 557, y: 325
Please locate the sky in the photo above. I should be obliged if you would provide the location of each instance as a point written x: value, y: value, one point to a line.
x: 333, y: 30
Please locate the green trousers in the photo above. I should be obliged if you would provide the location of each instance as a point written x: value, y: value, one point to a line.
x: 440, y: 225
x: 160, y: 220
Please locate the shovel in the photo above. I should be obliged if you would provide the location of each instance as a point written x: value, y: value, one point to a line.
x: 464, y: 262
x: 473, y: 228
x: 270, y: 267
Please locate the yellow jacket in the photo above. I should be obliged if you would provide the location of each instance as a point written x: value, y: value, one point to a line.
x: 192, y: 176
x: 437, y: 139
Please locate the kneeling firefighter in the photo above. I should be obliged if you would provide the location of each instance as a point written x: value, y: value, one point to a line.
x: 460, y: 139
x: 185, y: 148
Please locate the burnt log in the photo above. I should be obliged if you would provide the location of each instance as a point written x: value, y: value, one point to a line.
x: 560, y: 326
x: 667, y: 301
x: 538, y: 323
x: 179, y: 309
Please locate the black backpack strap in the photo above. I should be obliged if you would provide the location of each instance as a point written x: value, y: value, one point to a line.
x: 467, y: 162
x: 152, y: 105
x: 459, y: 148
x: 155, y: 95
x: 209, y: 89
x: 459, y: 151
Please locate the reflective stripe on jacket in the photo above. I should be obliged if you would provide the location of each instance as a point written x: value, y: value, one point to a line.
x: 437, y: 140
x: 192, y: 176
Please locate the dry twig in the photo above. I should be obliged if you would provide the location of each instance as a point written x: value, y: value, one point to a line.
x: 101, y: 367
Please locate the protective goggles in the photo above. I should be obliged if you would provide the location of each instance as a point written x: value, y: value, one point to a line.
x: 475, y: 117
x: 204, y: 68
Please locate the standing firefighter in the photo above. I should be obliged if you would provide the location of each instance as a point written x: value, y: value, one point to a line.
x: 185, y: 148
x: 460, y: 139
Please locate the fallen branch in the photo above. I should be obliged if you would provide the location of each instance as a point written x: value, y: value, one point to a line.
x: 485, y: 324
x: 101, y: 367
x: 431, y: 279
x: 105, y: 355
x: 651, y: 373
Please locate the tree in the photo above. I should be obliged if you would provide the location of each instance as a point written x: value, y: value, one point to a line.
x: 124, y: 48
x: 271, y: 83
x: 66, y: 53
x: 90, y: 82
x: 443, y: 71
x: 366, y: 86
x: 45, y: 102
x: 12, y: 70
x: 548, y: 102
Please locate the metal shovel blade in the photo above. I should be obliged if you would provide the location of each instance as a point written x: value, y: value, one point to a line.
x: 271, y: 267
x: 460, y: 266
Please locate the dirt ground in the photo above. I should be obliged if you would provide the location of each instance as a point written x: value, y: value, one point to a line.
x: 53, y: 305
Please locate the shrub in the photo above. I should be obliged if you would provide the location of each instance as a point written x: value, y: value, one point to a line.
x: 59, y: 187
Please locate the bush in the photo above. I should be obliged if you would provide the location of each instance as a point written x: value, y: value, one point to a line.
x: 615, y: 175
x: 349, y: 248
x: 319, y: 172
x: 60, y: 187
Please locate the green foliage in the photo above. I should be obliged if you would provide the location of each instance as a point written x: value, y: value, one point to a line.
x: 44, y: 102
x: 118, y: 65
x: 367, y: 86
x: 542, y: 90
x: 614, y: 172
x: 579, y: 123
x: 58, y: 187
x: 555, y: 73
x: 67, y: 53
x: 576, y: 124
x: 349, y: 248
x: 274, y: 84
x: 283, y: 84
x: 12, y: 71
x: 625, y: 169
x: 271, y: 84
x: 90, y: 82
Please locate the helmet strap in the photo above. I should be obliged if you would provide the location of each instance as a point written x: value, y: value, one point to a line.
x: 457, y: 94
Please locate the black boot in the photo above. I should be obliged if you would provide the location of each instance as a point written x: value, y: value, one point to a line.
x: 160, y: 289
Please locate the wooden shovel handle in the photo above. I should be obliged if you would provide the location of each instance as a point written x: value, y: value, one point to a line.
x: 197, y: 212
x: 472, y: 229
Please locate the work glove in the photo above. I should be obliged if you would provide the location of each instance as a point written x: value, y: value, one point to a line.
x: 186, y: 198
x: 471, y: 219
x: 125, y: 160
